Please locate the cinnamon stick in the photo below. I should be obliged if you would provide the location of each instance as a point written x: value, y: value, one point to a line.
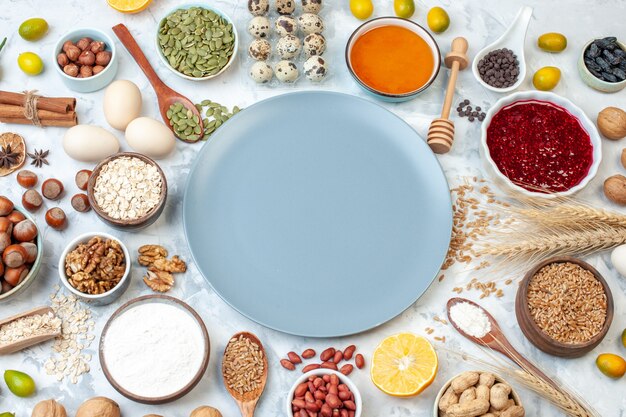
x: 15, y: 114
x: 58, y: 123
x: 53, y: 104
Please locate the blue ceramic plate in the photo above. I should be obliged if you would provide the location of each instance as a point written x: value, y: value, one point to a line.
x: 318, y: 214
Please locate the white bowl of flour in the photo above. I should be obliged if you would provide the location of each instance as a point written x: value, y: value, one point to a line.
x: 154, y: 349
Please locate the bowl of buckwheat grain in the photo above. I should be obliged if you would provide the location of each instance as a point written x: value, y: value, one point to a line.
x: 95, y: 267
x: 127, y: 191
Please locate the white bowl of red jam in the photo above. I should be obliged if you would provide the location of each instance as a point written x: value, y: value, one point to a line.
x: 540, y: 144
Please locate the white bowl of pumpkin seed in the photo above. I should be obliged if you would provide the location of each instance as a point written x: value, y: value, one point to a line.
x: 197, y: 42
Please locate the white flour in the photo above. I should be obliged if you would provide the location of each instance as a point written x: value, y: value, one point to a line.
x: 153, y: 349
x: 471, y: 319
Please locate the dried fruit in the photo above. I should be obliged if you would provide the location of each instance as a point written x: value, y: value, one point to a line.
x: 12, y: 153
x: 606, y: 60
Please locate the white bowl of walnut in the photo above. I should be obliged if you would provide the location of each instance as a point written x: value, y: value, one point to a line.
x: 95, y: 267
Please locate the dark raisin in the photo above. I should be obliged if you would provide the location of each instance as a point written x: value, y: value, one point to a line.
x: 594, y: 50
x: 609, y: 77
x: 619, y: 74
x: 603, y: 64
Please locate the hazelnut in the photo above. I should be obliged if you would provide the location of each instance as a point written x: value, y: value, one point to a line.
x: 55, y: 217
x: 67, y: 45
x: 103, y: 58
x: 49, y: 408
x: 615, y: 189
x: 206, y: 411
x: 73, y: 52
x: 14, y: 256
x: 97, y: 69
x: 86, y: 58
x: 5, y: 242
x: 6, y: 287
x: 62, y: 59
x: 6, y: 206
x: 71, y: 70
x: 612, y: 123
x: 16, y: 217
x: 86, y: 71
x: 31, y: 250
x: 84, y: 43
x: 15, y: 275
x: 6, y: 226
x: 25, y: 231
x: 99, y: 407
x: 97, y: 46
x: 26, y: 178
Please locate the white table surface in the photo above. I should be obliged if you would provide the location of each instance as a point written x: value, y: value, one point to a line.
x: 481, y: 22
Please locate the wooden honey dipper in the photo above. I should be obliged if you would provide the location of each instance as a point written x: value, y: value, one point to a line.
x: 441, y: 131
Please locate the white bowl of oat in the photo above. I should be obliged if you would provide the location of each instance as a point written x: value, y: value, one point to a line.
x: 127, y: 191
x: 95, y: 267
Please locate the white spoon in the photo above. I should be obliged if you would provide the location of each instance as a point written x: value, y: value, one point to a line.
x: 512, y: 39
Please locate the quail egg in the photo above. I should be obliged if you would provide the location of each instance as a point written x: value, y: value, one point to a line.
x: 285, y: 6
x: 310, y: 23
x: 258, y: 7
x: 288, y: 46
x: 315, y: 68
x: 314, y: 44
x: 286, y: 25
x: 311, y: 6
x: 260, y: 49
x: 286, y: 71
x: 261, y: 72
x: 259, y: 27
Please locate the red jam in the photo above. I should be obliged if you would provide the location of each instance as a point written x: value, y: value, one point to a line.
x: 539, y: 146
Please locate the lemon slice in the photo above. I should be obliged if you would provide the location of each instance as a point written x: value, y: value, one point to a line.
x: 129, y: 6
x: 403, y: 365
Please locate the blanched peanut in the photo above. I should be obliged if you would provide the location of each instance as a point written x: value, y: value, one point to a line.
x: 499, y: 396
x: 473, y: 408
x: 467, y: 395
x: 448, y: 399
x: 487, y: 379
x: 464, y: 381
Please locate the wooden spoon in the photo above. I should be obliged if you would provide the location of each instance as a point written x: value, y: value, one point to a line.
x: 165, y: 95
x: 248, y: 400
x: 31, y: 340
x: 496, y: 340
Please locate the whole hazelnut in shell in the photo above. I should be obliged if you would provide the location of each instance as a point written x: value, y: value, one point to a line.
x: 49, y: 408
x: 615, y: 189
x: 612, y: 123
x: 206, y: 411
x: 99, y: 407
x: 87, y: 58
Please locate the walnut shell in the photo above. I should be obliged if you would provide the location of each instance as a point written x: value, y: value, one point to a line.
x: 615, y: 189
x: 623, y: 157
x: 49, y: 408
x: 99, y: 407
x: 205, y: 411
x: 612, y: 123
x: 153, y: 415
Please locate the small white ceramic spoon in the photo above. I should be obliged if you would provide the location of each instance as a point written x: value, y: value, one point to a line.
x: 513, y: 39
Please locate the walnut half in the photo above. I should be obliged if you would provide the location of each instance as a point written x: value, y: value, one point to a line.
x: 170, y: 265
x: 161, y: 281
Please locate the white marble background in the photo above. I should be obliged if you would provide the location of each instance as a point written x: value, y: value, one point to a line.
x: 480, y: 21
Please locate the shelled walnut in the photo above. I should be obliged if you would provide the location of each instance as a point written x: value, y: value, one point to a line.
x: 159, y: 274
x: 95, y: 267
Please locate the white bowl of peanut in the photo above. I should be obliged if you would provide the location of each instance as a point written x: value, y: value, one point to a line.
x: 477, y: 393
x: 95, y: 267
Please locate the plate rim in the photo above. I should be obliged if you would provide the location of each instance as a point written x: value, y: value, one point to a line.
x: 402, y: 309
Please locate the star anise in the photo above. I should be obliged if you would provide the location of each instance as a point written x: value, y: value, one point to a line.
x: 39, y: 158
x: 8, y: 158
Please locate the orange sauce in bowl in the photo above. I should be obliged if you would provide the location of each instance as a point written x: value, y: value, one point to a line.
x: 392, y: 59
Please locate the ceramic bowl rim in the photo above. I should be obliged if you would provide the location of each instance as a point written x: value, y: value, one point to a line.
x: 58, y: 48
x: 84, y: 237
x: 34, y: 270
x: 446, y: 385
x: 560, y: 101
x: 614, y: 87
x: 358, y: 400
x: 165, y: 299
x: 522, y: 292
x: 420, y: 31
x: 156, y: 211
x: 204, y: 6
